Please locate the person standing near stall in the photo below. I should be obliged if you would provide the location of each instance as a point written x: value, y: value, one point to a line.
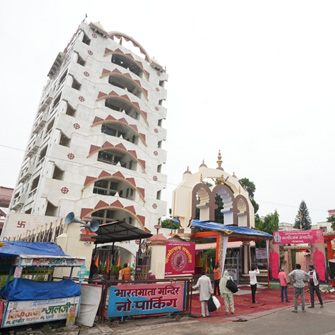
x: 227, y: 295
x: 217, y: 277
x: 253, y: 282
x: 205, y: 292
x: 124, y: 274
x: 298, y: 277
x: 313, y: 285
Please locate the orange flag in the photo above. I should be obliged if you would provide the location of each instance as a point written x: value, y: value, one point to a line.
x: 97, y: 261
x: 118, y: 263
x: 128, y: 261
x: 206, y: 265
x: 107, y: 268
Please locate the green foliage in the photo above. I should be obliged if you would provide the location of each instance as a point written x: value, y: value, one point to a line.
x: 218, y: 214
x: 332, y: 220
x: 115, y: 269
x: 169, y: 224
x: 269, y: 224
x: 210, y: 255
x: 304, y: 221
x: 251, y: 189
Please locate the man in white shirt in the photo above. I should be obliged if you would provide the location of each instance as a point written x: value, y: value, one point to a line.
x: 253, y: 282
x: 205, y: 292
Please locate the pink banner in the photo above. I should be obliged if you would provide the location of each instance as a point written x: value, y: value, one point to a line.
x: 319, y: 260
x: 298, y: 236
x: 180, y: 258
x: 274, y: 261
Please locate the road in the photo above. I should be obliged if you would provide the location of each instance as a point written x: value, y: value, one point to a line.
x: 314, y: 322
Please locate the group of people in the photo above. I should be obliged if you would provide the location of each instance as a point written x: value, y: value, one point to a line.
x: 297, y: 276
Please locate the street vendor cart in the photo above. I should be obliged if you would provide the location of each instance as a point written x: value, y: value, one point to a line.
x: 27, y: 301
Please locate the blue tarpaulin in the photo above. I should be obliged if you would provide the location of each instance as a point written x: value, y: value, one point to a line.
x: 20, y: 248
x: 26, y: 289
x: 230, y: 230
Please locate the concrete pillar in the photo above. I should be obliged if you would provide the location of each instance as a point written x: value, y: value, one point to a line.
x: 158, y: 254
x: 246, y: 258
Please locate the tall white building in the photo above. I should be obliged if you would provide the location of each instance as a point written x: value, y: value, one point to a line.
x: 96, y: 144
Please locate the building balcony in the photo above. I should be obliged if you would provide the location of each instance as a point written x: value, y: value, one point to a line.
x: 33, y: 147
x: 26, y: 174
x: 47, y: 100
x: 40, y: 123
x: 19, y: 202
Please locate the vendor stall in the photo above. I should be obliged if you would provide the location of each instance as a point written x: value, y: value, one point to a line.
x: 26, y: 301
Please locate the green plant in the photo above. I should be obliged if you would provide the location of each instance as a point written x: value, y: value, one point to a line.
x: 46, y: 329
x: 115, y: 269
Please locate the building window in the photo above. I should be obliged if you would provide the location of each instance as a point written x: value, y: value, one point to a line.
x: 64, y: 140
x: 62, y: 79
x: 81, y: 61
x: 104, y: 216
x: 158, y: 195
x: 34, y: 184
x: 110, y: 158
x: 159, y: 144
x: 105, y: 187
x: 58, y: 173
x: 160, y: 121
x: 161, y: 83
x: 127, y: 64
x: 56, y: 102
x: 159, y: 168
x: 121, y: 106
x: 51, y: 210
x: 86, y: 40
x: 76, y: 85
x: 70, y: 110
x: 125, y: 84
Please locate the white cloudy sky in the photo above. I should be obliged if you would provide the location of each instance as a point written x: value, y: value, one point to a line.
x: 254, y: 79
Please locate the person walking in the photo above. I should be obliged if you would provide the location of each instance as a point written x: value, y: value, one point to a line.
x: 226, y: 294
x: 253, y: 282
x: 283, y: 285
x: 205, y: 291
x: 313, y: 285
x: 298, y: 277
x: 124, y: 274
x: 217, y: 277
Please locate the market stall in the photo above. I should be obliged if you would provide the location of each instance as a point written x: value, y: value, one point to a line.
x: 27, y: 300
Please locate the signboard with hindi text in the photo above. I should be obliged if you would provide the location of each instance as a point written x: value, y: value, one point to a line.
x: 180, y: 258
x: 19, y: 313
x: 142, y: 299
x: 298, y: 236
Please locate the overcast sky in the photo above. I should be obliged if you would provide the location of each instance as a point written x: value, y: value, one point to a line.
x: 254, y: 79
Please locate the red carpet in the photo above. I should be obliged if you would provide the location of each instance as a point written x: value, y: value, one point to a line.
x: 268, y: 299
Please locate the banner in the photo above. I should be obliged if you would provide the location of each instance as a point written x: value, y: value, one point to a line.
x: 20, y: 313
x: 274, y: 261
x: 180, y: 258
x: 261, y: 253
x: 142, y: 299
x: 319, y: 261
x: 298, y: 236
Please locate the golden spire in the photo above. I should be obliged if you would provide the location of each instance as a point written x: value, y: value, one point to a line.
x: 201, y: 178
x: 219, y: 161
x: 222, y: 179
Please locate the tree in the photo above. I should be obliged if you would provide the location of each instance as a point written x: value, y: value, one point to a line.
x: 269, y: 224
x: 250, y: 188
x: 332, y: 220
x: 302, y: 220
x: 168, y: 223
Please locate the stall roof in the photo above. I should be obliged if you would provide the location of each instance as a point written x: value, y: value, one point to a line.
x: 232, y: 231
x: 119, y: 231
x: 22, y: 248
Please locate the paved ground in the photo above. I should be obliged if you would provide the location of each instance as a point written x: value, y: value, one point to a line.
x: 275, y: 322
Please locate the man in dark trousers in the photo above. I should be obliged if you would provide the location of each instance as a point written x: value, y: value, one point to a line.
x: 313, y: 285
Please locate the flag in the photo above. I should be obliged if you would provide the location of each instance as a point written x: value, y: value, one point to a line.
x: 119, y: 262
x: 206, y: 265
x: 97, y: 261
x: 128, y: 261
x: 107, y: 268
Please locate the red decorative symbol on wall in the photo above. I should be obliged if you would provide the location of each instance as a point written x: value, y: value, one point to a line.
x: 82, y: 99
x: 86, y: 74
x: 76, y: 126
x: 154, y: 206
x: 156, y: 130
x: 70, y: 156
x: 94, y: 35
x: 90, y: 52
x: 21, y: 224
x: 157, y: 89
x: 157, y: 109
x: 155, y: 153
x: 64, y: 190
x: 155, y: 178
